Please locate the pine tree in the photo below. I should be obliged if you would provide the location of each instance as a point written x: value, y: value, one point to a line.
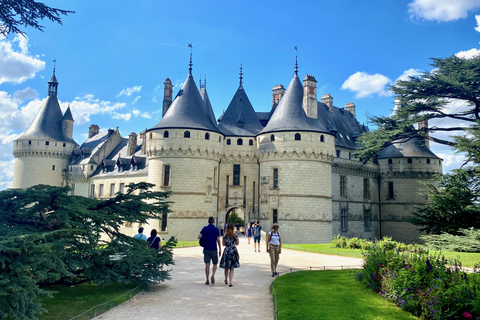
x: 49, y: 237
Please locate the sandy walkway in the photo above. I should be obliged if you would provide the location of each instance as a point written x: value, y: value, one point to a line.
x: 187, y: 297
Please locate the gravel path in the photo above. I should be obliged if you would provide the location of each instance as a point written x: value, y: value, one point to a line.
x: 186, y: 296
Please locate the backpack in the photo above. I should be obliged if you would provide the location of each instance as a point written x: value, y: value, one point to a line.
x: 202, y: 241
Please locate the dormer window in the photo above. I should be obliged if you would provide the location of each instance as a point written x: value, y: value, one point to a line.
x: 240, y: 123
x: 47, y: 143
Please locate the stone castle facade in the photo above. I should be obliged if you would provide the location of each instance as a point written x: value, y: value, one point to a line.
x: 294, y: 165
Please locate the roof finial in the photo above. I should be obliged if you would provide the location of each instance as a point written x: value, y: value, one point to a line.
x: 200, y: 81
x: 191, y: 63
x: 205, y: 81
x: 241, y: 76
x: 296, y: 61
x: 54, y: 61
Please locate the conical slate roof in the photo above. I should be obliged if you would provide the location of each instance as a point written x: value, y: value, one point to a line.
x: 47, y: 125
x: 408, y: 148
x: 68, y: 115
x: 289, y: 114
x: 240, y: 118
x: 208, y: 105
x: 187, y: 110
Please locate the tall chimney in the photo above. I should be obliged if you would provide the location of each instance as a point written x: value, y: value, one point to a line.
x: 310, y: 96
x: 167, y: 95
x: 132, y: 143
x: 93, y: 130
x: 423, y: 124
x: 350, y: 107
x: 277, y: 93
x: 328, y: 100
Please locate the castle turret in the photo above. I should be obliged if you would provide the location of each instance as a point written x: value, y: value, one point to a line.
x: 295, y: 155
x: 184, y: 151
x: 43, y: 151
x: 404, y: 166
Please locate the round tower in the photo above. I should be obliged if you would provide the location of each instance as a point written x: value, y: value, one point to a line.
x: 43, y: 151
x: 184, y: 151
x: 404, y: 167
x: 295, y: 155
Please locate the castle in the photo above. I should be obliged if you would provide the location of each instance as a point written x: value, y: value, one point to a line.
x: 294, y: 165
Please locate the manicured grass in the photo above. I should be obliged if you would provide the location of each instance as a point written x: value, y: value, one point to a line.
x: 325, y: 248
x: 181, y: 244
x: 325, y: 295
x: 468, y: 259
x: 72, y: 301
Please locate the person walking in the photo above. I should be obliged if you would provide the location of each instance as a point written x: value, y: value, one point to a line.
x: 222, y: 228
x: 230, y: 258
x: 154, y: 242
x: 274, y: 248
x: 140, y: 235
x: 212, y: 238
x: 257, y: 235
x: 248, y: 233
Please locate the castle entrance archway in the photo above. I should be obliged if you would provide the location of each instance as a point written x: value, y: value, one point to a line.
x: 239, y: 212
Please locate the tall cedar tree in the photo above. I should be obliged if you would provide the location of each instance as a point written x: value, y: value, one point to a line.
x: 49, y: 237
x: 426, y: 97
x: 18, y: 14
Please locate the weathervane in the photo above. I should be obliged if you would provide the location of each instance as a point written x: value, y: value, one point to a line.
x: 191, y: 63
x: 54, y: 61
x: 296, y: 60
x: 241, y: 76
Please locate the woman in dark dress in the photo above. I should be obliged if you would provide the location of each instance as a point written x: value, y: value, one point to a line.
x: 230, y: 254
x: 154, y: 242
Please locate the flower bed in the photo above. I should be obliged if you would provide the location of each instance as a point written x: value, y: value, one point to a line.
x: 427, y: 285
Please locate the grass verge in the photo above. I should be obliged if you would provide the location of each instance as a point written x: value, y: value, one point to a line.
x: 468, y: 259
x: 325, y: 249
x: 69, y: 302
x: 325, y: 295
x: 182, y: 244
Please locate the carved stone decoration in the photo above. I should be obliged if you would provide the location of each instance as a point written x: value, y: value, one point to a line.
x: 208, y: 189
x: 265, y: 179
x: 274, y: 200
x: 264, y: 193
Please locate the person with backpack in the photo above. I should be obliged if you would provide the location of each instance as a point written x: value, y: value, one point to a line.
x: 154, y: 242
x: 211, y: 238
x: 140, y: 235
x: 274, y: 248
x: 257, y: 235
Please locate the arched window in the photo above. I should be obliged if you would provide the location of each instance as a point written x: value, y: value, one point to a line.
x: 150, y: 136
x: 322, y: 139
x: 229, y: 142
x: 428, y: 161
x: 239, y: 142
x: 207, y: 136
x: 390, y: 161
x: 250, y: 143
x: 272, y: 137
x: 186, y: 134
x: 409, y: 160
x: 165, y: 134
x: 298, y: 136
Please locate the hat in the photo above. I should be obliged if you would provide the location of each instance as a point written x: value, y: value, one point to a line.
x: 275, y: 225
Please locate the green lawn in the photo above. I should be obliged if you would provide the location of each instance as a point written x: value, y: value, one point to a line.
x: 468, y: 259
x: 72, y: 301
x: 181, y: 244
x: 325, y: 295
x: 326, y: 249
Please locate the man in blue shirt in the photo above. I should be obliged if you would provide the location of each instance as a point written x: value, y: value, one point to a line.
x: 212, y: 239
x: 140, y: 235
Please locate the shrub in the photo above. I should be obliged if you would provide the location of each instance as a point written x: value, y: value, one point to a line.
x: 468, y: 241
x: 427, y: 285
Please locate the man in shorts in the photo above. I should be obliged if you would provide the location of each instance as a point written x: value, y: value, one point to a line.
x: 212, y: 239
x: 257, y: 235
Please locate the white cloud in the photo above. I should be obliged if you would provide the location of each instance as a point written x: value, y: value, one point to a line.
x: 25, y: 94
x: 409, y: 73
x: 468, y: 54
x: 477, y: 18
x: 155, y: 100
x: 138, y: 113
x: 16, y: 64
x: 124, y: 116
x: 129, y: 91
x: 83, y: 107
x: 136, y: 99
x: 365, y: 84
x: 158, y: 87
x: 441, y: 10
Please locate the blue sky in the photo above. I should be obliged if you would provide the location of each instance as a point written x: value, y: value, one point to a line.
x: 113, y: 56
